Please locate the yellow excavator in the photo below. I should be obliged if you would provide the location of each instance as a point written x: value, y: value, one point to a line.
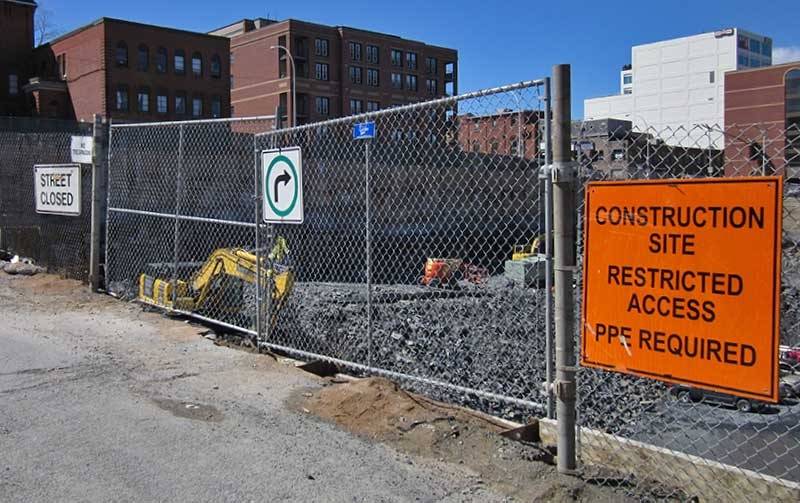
x: 223, y: 263
x: 526, y: 251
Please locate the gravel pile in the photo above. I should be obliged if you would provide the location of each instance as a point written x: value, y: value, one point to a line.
x: 488, y: 337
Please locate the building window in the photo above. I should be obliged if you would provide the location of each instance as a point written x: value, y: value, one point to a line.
x: 13, y: 84
x: 216, y: 107
x: 373, y: 77
x: 180, y: 62
x: 121, y: 54
x: 161, y: 60
x: 766, y: 48
x: 627, y: 90
x: 62, y: 65
x: 397, y: 57
x: 433, y: 86
x: 355, y: 74
x: 180, y: 103
x: 755, y: 46
x: 743, y: 42
x: 373, y: 54
x: 216, y: 66
x: 321, y: 47
x: 356, y: 106
x: 743, y: 62
x: 627, y: 79
x: 712, y: 77
x: 397, y: 81
x: 122, y: 99
x: 162, y: 103
x: 323, y: 105
x: 411, y: 60
x: 197, y: 107
x: 322, y: 71
x: 411, y: 82
x: 355, y: 51
x: 373, y: 106
x: 143, y: 100
x: 143, y: 59
x: 197, y: 65
x: 431, y: 65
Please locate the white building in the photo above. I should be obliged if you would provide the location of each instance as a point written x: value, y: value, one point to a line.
x: 676, y: 87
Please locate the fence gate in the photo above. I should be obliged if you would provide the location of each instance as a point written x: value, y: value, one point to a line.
x: 454, y: 179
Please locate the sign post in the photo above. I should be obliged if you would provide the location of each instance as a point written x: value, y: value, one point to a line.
x: 282, y: 185
x: 366, y: 131
x: 682, y: 282
x: 57, y: 189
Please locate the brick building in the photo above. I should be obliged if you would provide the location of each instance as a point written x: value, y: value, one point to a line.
x: 16, y: 47
x: 340, y: 71
x: 611, y: 149
x: 506, y: 132
x: 762, y: 120
x: 132, y: 72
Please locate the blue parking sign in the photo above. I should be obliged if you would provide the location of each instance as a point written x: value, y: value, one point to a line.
x: 364, y: 131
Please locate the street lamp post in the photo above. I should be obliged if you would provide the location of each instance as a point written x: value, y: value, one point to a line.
x: 294, y: 81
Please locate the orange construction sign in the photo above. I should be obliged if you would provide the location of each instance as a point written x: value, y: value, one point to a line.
x: 682, y: 282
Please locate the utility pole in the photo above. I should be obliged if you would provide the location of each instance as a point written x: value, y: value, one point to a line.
x: 564, y: 180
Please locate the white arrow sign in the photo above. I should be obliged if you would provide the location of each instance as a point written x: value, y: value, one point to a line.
x: 282, y: 179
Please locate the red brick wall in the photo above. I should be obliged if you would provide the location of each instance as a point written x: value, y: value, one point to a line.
x: 479, y: 134
x: 257, y: 87
x: 85, y: 70
x: 153, y: 37
x: 93, y: 74
x: 755, y: 113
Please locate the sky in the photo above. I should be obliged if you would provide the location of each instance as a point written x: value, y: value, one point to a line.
x: 498, y: 42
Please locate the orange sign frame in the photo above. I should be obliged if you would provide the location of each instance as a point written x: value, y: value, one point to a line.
x: 681, y: 282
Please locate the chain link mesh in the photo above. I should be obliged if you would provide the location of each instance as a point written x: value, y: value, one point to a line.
x: 454, y: 184
x: 454, y: 179
x: 680, y: 441
x: 59, y: 243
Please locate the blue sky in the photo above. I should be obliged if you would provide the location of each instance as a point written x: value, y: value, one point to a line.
x: 498, y: 43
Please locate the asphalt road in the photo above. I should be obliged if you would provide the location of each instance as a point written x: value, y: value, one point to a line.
x: 100, y: 401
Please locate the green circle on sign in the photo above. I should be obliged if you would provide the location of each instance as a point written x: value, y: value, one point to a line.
x: 285, y: 160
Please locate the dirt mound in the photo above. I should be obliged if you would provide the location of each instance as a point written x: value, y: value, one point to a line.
x: 380, y: 410
x: 48, y: 284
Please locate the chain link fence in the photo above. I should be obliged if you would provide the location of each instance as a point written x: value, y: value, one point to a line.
x: 403, y: 266
x: 664, y: 433
x: 453, y: 183
x: 59, y: 243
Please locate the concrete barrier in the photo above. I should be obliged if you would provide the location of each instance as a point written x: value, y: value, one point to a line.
x: 706, y: 479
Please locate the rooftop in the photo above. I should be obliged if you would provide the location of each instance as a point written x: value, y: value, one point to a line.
x: 102, y: 20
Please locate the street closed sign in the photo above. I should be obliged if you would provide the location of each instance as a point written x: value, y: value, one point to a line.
x: 682, y: 282
x: 57, y: 189
x: 282, y: 179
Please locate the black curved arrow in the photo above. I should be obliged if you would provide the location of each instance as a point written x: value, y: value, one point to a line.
x: 285, y: 178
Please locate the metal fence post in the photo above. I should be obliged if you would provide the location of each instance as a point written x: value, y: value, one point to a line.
x: 99, y: 188
x: 257, y: 222
x: 548, y: 247
x: 564, y: 208
x: 178, y: 185
x: 368, y: 254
